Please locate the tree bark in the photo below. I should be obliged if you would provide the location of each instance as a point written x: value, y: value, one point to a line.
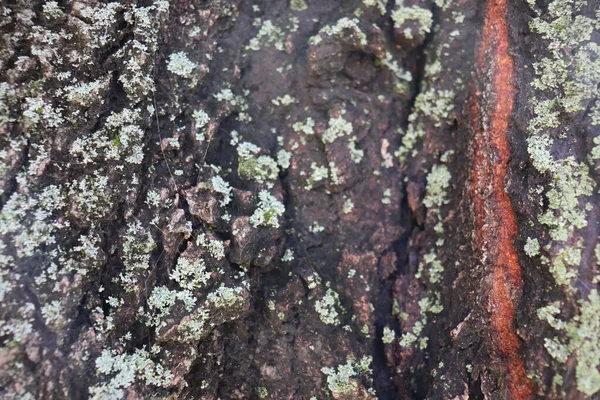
x: 299, y: 199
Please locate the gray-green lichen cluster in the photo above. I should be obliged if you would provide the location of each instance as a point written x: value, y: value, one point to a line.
x: 75, y: 164
x: 431, y: 269
x: 342, y: 379
x: 566, y: 80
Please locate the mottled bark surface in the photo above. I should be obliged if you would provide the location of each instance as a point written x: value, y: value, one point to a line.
x: 299, y: 199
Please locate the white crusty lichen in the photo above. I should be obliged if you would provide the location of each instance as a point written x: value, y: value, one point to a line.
x: 348, y: 206
x: 388, y: 335
x: 124, y: 369
x: 180, y: 64
x: 306, y: 127
x: 222, y: 187
x: 201, y: 119
x: 318, y: 173
x: 268, y: 211
x: 422, y: 17
x: 86, y: 93
x: 438, y: 181
x: 288, y: 255
x: 379, y: 4
x: 339, y: 30
x: 283, y: 159
x: 326, y: 307
x: 340, y: 380
x: 226, y: 297
x: 387, y: 196
x: 190, y: 273
x: 52, y: 10
x: 337, y: 127
x: 215, y: 247
x: 259, y: 168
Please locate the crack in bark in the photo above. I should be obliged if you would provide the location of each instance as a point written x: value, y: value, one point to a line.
x: 494, y: 215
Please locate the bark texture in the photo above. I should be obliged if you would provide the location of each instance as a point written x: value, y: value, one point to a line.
x: 205, y: 199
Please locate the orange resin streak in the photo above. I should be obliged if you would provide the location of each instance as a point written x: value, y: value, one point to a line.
x: 494, y: 215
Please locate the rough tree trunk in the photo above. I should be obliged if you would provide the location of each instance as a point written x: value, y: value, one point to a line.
x: 304, y: 199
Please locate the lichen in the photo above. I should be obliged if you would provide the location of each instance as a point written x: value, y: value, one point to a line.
x: 339, y: 380
x: 438, y: 181
x: 259, y: 168
x: 326, y: 307
x: 532, y: 247
x: 268, y: 211
x: 340, y: 29
x: 124, y: 370
x: 583, y: 341
x: 337, y: 127
x: 180, y: 65
x: 571, y: 74
x: 388, y: 335
x: 422, y: 17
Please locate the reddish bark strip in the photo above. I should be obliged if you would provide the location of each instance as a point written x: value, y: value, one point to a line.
x: 494, y: 215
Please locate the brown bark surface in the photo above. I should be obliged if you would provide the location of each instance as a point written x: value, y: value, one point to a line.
x: 299, y: 199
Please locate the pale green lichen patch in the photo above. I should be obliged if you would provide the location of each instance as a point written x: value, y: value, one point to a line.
x: 85, y: 94
x: 337, y: 127
x: 124, y: 369
x: 190, y: 273
x: 326, y: 307
x: 388, y: 335
x: 426, y: 305
x: 344, y: 27
x: 571, y: 74
x: 379, y: 4
x: 252, y: 166
x: 432, y: 266
x: 435, y: 104
x: 532, y: 247
x: 220, y: 186
x: 268, y: 211
x: 348, y: 206
x: 422, y: 17
x: 401, y: 76
x: 340, y: 380
x: 298, y: 5
x: 583, y: 341
x: 438, y: 180
x: 180, y: 65
x: 270, y: 34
